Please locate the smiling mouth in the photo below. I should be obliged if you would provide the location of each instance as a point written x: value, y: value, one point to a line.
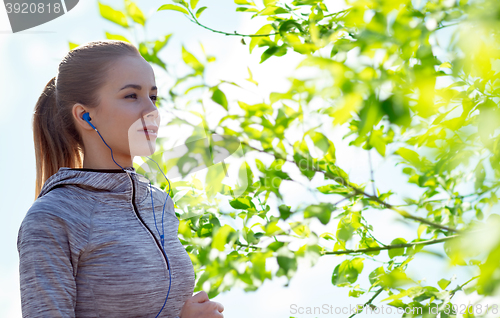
x: 150, y: 133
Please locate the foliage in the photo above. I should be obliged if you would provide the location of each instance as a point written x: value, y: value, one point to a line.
x: 414, y: 81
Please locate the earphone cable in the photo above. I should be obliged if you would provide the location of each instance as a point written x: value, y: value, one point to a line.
x: 162, y: 237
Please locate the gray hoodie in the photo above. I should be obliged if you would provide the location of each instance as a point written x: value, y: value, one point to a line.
x: 88, y: 247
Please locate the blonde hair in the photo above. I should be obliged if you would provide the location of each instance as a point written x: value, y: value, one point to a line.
x: 81, y: 74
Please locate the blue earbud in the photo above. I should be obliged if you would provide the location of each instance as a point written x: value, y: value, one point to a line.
x: 87, y: 118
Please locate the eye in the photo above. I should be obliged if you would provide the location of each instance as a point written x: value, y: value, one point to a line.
x: 155, y: 98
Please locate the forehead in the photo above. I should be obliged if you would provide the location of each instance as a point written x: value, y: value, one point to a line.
x: 130, y: 70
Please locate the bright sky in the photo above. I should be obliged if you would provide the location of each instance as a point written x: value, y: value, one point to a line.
x: 30, y: 58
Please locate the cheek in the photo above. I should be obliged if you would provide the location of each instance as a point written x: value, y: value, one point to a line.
x: 119, y: 126
x: 125, y: 117
x: 118, y: 115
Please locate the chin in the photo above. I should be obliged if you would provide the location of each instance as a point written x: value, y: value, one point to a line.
x: 145, y: 150
x: 142, y: 147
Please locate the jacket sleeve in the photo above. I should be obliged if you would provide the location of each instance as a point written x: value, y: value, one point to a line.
x: 47, y: 280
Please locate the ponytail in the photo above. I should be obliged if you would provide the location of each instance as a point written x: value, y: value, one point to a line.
x: 81, y: 74
x: 52, y: 149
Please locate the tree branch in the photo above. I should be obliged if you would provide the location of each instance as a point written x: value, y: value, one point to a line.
x: 459, y: 287
x: 390, y: 247
x: 361, y: 192
x: 195, y: 20
x: 368, y: 302
x: 371, y: 173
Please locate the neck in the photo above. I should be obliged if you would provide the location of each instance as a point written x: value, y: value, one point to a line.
x: 94, y: 162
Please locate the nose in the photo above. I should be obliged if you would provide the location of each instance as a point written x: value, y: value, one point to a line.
x: 151, y: 111
x: 151, y: 114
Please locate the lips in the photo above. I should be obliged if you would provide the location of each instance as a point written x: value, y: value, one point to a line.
x: 150, y: 129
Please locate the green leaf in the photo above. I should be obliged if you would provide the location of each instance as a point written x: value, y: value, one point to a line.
x: 274, y: 246
x: 243, y: 2
x: 409, y: 155
x: 376, y: 140
x: 369, y: 242
x: 443, y: 283
x: 153, y: 58
x: 220, y: 237
x: 134, y: 12
x: 219, y: 97
x: 250, y: 78
x: 116, y: 37
x: 268, y: 3
x: 321, y: 211
x: 184, y: 3
x: 200, y: 11
x: 172, y: 7
x: 241, y: 203
x: 455, y: 252
x: 347, y: 272
x: 245, y: 176
x: 273, y: 50
x: 334, y: 189
x: 192, y: 61
x: 213, y: 181
x: 288, y: 25
x: 113, y: 15
x: 72, y: 45
x: 272, y: 10
x: 288, y: 264
x: 271, y: 228
x: 480, y: 175
x: 421, y: 229
x: 395, y: 278
x: 355, y: 293
x: 301, y: 230
x: 266, y: 29
x: 347, y: 225
x: 397, y: 111
x: 376, y: 274
x: 327, y: 236
x: 194, y: 3
x: 284, y: 211
x: 445, y: 65
x: 160, y: 43
x: 402, y: 294
x: 246, y: 9
x: 397, y: 251
x: 323, y: 145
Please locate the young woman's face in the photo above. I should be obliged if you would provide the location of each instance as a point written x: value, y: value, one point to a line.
x: 127, y: 116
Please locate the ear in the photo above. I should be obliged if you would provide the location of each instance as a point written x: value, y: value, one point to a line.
x: 77, y: 112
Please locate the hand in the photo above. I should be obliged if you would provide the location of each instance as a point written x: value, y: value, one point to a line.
x: 199, y: 306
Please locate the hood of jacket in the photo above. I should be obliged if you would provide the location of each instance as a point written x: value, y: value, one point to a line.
x: 109, y: 181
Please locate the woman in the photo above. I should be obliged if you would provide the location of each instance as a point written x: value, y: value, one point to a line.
x: 90, y: 245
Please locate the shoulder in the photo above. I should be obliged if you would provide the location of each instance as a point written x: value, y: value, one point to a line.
x: 160, y: 196
x: 58, y: 210
x: 65, y: 203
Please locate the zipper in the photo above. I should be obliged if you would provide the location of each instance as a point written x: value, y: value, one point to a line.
x: 144, y: 223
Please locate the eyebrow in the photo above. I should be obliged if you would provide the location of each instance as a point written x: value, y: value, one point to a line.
x: 138, y: 87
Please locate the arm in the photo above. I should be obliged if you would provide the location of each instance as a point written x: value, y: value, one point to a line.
x: 48, y: 287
